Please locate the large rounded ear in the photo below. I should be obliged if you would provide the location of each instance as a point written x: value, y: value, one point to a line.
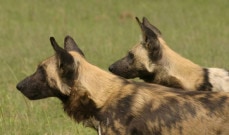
x: 150, y: 26
x: 147, y: 33
x: 65, y: 62
x: 70, y: 45
x: 150, y: 40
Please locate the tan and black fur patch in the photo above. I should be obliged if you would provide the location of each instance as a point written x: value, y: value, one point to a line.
x: 121, y: 107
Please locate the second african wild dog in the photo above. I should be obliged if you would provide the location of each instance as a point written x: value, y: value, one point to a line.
x: 153, y: 61
x: 120, y: 106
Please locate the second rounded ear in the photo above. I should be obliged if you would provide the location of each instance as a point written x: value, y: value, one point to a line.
x: 70, y: 45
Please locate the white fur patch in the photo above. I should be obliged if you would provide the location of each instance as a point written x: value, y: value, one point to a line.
x: 141, y: 55
x: 219, y: 78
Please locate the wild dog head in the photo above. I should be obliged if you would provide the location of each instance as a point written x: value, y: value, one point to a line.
x: 144, y: 57
x: 54, y: 76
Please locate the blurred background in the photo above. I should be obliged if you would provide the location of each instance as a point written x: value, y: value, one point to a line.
x: 105, y: 30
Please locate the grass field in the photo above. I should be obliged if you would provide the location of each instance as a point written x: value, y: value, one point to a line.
x: 104, y: 30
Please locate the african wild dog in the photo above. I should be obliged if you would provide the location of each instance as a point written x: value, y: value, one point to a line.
x: 120, y: 106
x: 153, y: 61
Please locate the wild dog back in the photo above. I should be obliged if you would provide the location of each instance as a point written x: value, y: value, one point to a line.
x: 157, y: 110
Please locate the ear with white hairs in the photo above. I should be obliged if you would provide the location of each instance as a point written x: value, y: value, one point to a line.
x: 66, y: 64
x: 150, y: 40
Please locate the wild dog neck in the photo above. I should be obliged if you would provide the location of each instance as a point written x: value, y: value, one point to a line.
x: 92, y: 89
x: 179, y: 69
x: 96, y: 81
x: 174, y: 70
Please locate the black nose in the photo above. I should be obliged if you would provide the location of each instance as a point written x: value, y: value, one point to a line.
x: 19, y: 86
x: 111, y: 68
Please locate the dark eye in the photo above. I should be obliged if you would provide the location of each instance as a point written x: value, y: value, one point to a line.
x: 41, y: 69
x: 131, y: 55
x: 41, y: 73
x: 130, y: 58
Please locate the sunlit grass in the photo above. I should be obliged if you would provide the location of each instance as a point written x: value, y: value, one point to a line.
x: 105, y: 31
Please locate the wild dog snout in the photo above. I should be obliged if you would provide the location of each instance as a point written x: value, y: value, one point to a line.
x: 19, y: 86
x: 111, y: 68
